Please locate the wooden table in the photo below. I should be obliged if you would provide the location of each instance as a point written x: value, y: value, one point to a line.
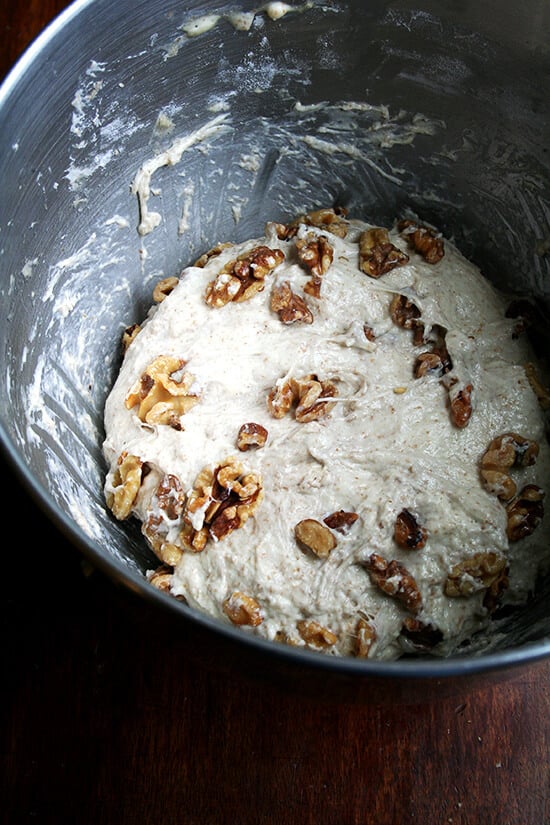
x: 110, y: 715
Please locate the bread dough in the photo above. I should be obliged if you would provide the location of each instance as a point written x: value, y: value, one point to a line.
x: 321, y: 354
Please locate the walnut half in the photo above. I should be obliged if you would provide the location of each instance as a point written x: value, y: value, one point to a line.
x: 242, y: 278
x: 289, y: 306
x: 315, y: 537
x: 423, y: 240
x: 394, y: 579
x: 475, y: 573
x: 163, y: 393
x: 310, y: 394
x: 377, y: 254
x: 126, y: 482
x: 222, y: 500
x: 408, y: 532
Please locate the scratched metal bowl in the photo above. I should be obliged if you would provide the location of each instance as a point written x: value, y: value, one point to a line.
x: 437, y: 107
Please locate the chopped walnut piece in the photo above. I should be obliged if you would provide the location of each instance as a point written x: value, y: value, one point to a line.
x: 423, y: 637
x: 316, y: 253
x: 309, y: 393
x: 251, y: 435
x: 341, y: 521
x: 242, y: 278
x: 525, y: 512
x: 503, y: 453
x: 377, y: 254
x: 475, y: 573
x: 403, y: 312
x: 129, y: 334
x: 163, y: 289
x: 369, y: 333
x: 312, y: 395
x: 315, y: 634
x: 222, y: 500
x: 166, y: 508
x: 161, y: 578
x: 243, y: 610
x: 395, y: 580
x: 289, y: 306
x: 408, y: 533
x: 461, y: 406
x: 163, y: 398
x: 283, y: 637
x: 365, y: 637
x: 313, y: 287
x: 280, y: 399
x: 126, y: 481
x: 423, y: 240
x: 493, y: 594
x: 436, y: 361
x: 314, y: 536
x: 333, y: 220
x: 542, y: 392
x: 283, y: 231
x: 212, y: 253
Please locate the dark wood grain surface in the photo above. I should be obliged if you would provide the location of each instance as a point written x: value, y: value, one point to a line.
x: 112, y: 715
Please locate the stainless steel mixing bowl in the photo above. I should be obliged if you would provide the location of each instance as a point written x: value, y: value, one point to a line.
x: 441, y: 108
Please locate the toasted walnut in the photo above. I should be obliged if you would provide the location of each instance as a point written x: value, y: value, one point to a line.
x: 369, y: 333
x: 474, y: 574
x: 395, y: 580
x: 161, y: 578
x: 126, y: 481
x: 281, y: 398
x: 316, y: 253
x: 283, y: 231
x: 422, y: 637
x: 341, y: 521
x: 312, y: 395
x: 461, y: 405
x: 163, y: 289
x: 505, y: 452
x: 542, y: 392
x: 129, y: 334
x: 525, y: 512
x: 251, y: 435
x: 377, y: 254
x: 423, y: 240
x: 313, y: 286
x: 165, y: 511
x: 283, y: 637
x: 365, y: 637
x: 289, y: 306
x: 212, y: 253
x: 163, y: 398
x: 403, y: 312
x: 436, y: 361
x: 333, y: 220
x: 315, y: 634
x: 222, y: 500
x: 314, y: 536
x: 242, y: 278
x: 243, y: 610
x: 408, y: 533
x: 493, y: 594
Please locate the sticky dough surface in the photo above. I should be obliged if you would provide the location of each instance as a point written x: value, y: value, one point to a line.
x: 387, y: 444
